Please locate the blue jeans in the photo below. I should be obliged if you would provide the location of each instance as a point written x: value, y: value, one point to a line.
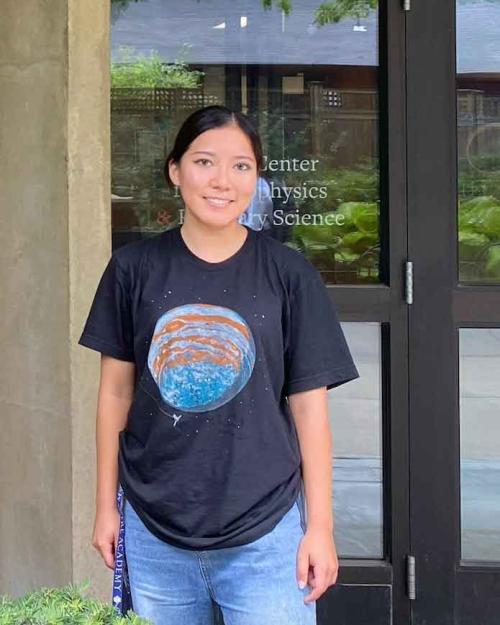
x: 254, y: 584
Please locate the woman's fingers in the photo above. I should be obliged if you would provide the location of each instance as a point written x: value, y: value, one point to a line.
x: 105, y: 538
x: 302, y: 566
x: 323, y: 578
x: 108, y: 554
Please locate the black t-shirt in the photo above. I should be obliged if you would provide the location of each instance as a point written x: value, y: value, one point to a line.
x: 209, y: 457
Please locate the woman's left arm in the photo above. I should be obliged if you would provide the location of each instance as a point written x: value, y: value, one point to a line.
x: 317, y: 562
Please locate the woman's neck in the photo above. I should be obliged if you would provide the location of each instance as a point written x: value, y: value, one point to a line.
x: 210, y: 243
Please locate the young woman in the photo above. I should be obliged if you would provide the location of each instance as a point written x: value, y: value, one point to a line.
x: 218, y: 345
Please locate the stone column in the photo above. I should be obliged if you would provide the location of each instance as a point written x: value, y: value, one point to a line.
x: 54, y: 242
x: 89, y: 210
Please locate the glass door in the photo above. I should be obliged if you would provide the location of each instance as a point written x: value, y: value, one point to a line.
x: 454, y: 242
x: 322, y: 83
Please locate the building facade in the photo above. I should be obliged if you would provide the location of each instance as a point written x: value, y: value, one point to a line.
x: 385, y: 115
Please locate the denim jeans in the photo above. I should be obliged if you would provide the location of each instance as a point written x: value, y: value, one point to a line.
x: 253, y: 584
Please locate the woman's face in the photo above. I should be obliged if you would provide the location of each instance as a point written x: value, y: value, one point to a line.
x: 217, y: 175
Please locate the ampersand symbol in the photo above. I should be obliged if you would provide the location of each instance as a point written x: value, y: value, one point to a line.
x: 163, y: 218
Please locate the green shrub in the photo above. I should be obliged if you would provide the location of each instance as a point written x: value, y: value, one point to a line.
x: 479, y: 238
x: 137, y: 71
x: 67, y: 605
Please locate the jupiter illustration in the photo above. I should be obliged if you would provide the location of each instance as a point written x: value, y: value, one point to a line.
x: 201, y: 356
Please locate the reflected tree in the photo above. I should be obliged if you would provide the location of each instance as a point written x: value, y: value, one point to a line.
x: 330, y: 12
x: 326, y: 13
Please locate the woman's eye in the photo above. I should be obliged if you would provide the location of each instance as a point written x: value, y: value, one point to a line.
x: 203, y: 161
x: 243, y: 166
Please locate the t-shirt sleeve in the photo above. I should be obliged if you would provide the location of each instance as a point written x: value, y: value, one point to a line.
x: 109, y: 325
x: 316, y: 353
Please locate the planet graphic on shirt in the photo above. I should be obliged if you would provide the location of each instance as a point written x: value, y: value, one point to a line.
x: 201, y: 356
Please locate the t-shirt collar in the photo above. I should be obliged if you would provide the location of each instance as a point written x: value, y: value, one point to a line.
x: 217, y: 266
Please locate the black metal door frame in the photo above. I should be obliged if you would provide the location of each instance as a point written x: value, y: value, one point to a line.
x: 448, y: 591
x: 356, y: 598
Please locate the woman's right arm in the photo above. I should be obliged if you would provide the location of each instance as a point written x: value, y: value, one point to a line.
x: 116, y: 391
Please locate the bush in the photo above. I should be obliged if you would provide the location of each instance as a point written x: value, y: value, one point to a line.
x: 137, y: 71
x: 67, y: 605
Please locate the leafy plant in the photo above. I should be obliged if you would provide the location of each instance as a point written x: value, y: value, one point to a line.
x: 62, y: 606
x: 137, y: 71
x: 347, y: 239
x: 479, y: 237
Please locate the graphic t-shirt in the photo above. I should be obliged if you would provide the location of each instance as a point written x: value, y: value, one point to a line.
x: 209, y: 457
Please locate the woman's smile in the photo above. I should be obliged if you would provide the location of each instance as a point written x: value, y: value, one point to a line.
x: 217, y: 201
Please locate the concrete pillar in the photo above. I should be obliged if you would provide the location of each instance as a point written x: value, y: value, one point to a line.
x: 54, y: 243
x: 89, y: 201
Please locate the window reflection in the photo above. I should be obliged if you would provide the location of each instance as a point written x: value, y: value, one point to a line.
x: 478, y: 118
x: 480, y: 443
x: 355, y: 411
x: 319, y: 192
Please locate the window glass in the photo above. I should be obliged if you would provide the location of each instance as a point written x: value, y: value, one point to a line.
x: 480, y: 443
x: 478, y: 134
x: 311, y: 88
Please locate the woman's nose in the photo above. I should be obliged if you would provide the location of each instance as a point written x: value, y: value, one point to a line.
x: 220, y: 178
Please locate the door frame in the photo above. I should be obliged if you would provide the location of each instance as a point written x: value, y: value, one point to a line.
x: 448, y: 591
x: 385, y: 303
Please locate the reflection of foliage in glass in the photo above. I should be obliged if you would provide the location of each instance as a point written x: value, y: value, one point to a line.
x: 326, y: 13
x: 130, y: 70
x: 124, y: 3
x: 479, y: 236
x: 332, y: 12
x: 276, y: 143
x: 118, y: 7
x: 329, y: 12
x: 350, y: 249
x: 479, y: 219
x: 351, y: 243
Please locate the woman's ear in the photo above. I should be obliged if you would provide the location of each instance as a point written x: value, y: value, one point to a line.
x: 173, y: 172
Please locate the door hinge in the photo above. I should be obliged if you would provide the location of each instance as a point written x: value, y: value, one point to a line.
x: 406, y: 5
x: 410, y: 576
x: 409, y: 282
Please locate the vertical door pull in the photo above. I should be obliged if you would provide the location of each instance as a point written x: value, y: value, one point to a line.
x: 406, y: 5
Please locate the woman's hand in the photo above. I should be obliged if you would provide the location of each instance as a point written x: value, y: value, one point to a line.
x: 317, y: 562
x: 106, y: 533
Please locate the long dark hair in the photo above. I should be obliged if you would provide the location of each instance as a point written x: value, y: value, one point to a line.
x: 209, y: 117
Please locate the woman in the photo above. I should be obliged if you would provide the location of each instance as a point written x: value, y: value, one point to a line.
x: 218, y: 346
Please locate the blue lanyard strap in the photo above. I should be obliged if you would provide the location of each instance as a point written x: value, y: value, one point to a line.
x: 122, y: 598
